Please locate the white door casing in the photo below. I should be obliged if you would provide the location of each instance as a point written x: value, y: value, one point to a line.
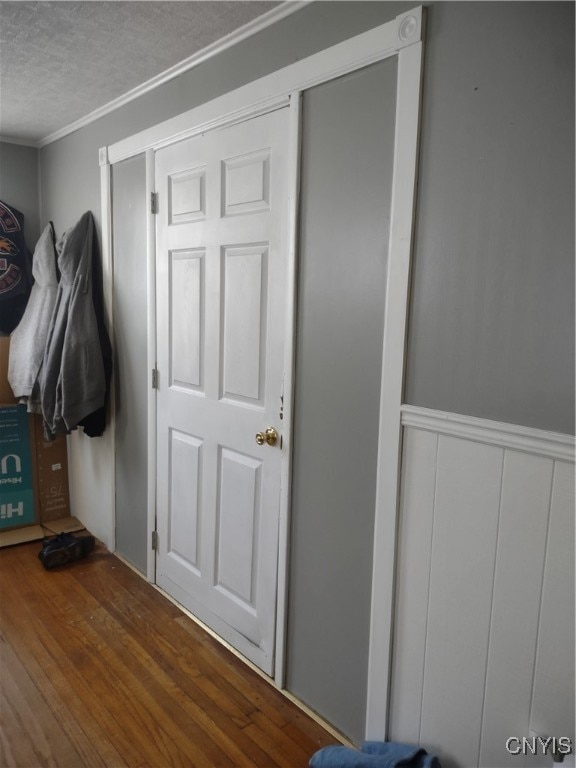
x: 221, y: 261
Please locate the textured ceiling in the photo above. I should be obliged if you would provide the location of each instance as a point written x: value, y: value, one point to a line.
x: 59, y: 61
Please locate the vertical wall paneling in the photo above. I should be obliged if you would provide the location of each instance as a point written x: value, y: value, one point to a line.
x: 462, y: 561
x: 484, y: 623
x: 555, y: 658
x: 517, y: 586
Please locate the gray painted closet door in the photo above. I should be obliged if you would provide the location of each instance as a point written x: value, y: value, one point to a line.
x: 130, y: 363
x: 348, y: 140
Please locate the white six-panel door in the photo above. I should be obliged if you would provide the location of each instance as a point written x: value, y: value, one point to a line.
x: 221, y: 308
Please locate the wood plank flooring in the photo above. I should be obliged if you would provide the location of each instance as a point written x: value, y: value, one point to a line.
x: 99, y: 669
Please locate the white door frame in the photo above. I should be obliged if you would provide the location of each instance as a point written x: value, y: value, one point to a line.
x: 401, y: 37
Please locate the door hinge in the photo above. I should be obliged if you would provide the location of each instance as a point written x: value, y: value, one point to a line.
x: 154, y: 378
x: 155, y: 540
x: 154, y: 202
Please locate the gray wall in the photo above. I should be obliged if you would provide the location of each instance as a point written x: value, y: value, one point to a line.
x: 493, y: 270
x: 130, y: 358
x: 492, y: 312
x: 345, y: 218
x: 19, y: 185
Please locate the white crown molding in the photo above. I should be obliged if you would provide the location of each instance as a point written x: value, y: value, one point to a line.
x: 287, y: 8
x: 20, y: 142
x: 554, y: 445
x: 268, y: 92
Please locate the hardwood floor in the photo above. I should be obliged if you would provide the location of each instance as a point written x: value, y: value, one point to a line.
x: 99, y: 669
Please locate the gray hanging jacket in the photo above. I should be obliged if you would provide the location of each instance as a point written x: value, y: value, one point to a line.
x: 28, y: 340
x: 72, y: 380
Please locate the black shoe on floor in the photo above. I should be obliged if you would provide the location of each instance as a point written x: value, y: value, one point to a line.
x: 65, y: 548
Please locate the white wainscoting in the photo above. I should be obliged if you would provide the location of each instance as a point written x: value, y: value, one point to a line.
x: 484, y: 624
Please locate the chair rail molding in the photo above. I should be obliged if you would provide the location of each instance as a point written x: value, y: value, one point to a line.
x: 553, y: 445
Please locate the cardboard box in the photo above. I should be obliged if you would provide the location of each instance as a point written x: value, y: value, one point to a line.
x: 51, y: 474
x: 17, y: 503
x: 6, y: 394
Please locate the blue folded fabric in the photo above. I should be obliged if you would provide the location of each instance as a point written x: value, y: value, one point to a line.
x: 344, y: 757
x: 401, y: 754
x: 374, y: 754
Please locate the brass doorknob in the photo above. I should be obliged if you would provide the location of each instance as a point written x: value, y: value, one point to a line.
x: 270, y: 437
